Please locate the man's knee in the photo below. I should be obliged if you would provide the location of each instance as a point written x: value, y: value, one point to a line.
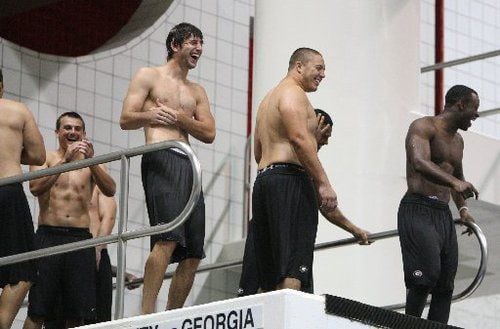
x: 188, y: 266
x: 290, y: 283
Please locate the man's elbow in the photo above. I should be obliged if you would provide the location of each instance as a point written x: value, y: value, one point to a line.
x: 40, y: 159
x: 209, y: 137
x: 124, y: 124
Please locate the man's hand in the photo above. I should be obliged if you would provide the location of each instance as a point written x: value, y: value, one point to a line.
x: 323, y: 130
x: 466, y: 189
x: 327, y: 198
x: 362, y: 236
x: 98, y: 256
x: 161, y: 114
x: 466, y: 217
x: 131, y: 278
x: 74, y: 149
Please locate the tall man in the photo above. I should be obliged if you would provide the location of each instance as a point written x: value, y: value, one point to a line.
x: 249, y: 284
x: 64, y: 218
x: 21, y: 143
x: 285, y: 199
x: 434, y: 151
x: 170, y: 107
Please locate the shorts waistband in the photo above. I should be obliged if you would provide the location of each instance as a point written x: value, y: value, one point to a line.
x: 63, y: 230
x: 283, y: 165
x: 430, y: 201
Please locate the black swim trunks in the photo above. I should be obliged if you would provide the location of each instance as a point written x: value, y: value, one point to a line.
x: 167, y: 179
x: 65, y: 279
x: 16, y: 234
x: 285, y: 221
x: 428, y: 242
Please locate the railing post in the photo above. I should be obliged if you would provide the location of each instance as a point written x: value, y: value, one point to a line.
x: 122, y: 244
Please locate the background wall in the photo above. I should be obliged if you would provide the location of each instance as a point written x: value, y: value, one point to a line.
x: 370, y: 87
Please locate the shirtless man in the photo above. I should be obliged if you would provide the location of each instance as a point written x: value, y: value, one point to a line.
x: 291, y: 181
x: 64, y: 217
x: 434, y: 151
x: 21, y: 143
x: 170, y: 107
x: 249, y: 278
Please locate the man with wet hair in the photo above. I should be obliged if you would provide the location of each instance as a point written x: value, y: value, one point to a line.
x: 67, y: 279
x: 291, y: 181
x: 21, y: 143
x: 170, y: 107
x: 434, y: 152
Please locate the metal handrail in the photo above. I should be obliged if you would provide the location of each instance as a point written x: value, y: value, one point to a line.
x: 481, y: 271
x: 459, y: 61
x: 373, y: 237
x: 122, y: 236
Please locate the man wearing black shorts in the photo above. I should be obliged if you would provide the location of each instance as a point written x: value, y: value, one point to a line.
x: 291, y: 181
x: 21, y: 143
x: 434, y: 151
x: 170, y: 107
x: 249, y: 278
x: 66, y: 279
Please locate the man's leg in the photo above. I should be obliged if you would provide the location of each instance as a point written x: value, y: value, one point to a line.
x: 154, y: 271
x: 182, y: 282
x: 10, y: 301
x: 415, y: 300
x: 440, y: 306
x: 289, y: 283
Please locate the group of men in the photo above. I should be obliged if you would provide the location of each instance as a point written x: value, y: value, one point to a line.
x: 291, y: 186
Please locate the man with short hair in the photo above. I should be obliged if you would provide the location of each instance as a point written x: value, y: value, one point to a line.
x: 170, y: 107
x: 22, y: 143
x: 249, y: 284
x: 291, y: 181
x: 434, y: 152
x: 64, y: 217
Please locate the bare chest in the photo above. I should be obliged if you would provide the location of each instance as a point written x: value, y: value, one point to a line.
x: 446, y: 150
x: 180, y: 97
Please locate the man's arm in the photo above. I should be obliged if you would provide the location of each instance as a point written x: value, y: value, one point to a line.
x: 293, y: 109
x: 460, y: 201
x: 337, y: 218
x: 201, y: 125
x: 133, y: 115
x: 106, y: 210
x: 99, y: 173
x: 419, y: 155
x: 41, y: 185
x: 33, y: 152
x: 257, y: 148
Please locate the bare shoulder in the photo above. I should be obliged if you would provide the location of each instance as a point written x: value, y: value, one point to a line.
x: 147, y: 74
x: 13, y: 110
x: 196, y: 88
x: 52, y: 158
x: 423, y: 126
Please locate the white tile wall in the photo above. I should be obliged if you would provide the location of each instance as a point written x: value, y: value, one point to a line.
x: 471, y: 28
x: 95, y: 86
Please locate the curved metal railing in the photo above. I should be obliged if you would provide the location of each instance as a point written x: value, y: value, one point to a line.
x: 122, y: 236
x: 373, y: 237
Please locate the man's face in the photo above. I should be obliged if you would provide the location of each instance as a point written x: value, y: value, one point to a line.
x: 313, y: 71
x: 190, y: 51
x: 70, y: 131
x: 469, y: 113
x: 325, y: 137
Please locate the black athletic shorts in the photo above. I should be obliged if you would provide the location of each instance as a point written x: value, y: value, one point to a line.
x: 428, y: 242
x: 65, y: 279
x: 249, y: 280
x: 167, y: 179
x: 285, y: 221
x: 104, y: 290
x: 16, y: 234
